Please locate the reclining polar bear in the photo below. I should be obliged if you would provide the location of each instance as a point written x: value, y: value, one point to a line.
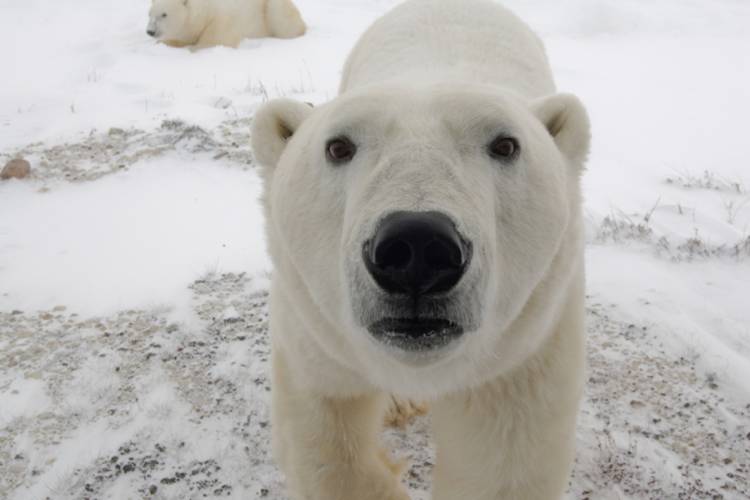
x: 426, y: 232
x: 206, y: 23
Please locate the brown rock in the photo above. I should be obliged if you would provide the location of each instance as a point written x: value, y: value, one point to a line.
x: 16, y: 169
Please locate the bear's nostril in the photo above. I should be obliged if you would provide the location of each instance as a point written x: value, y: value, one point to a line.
x: 393, y: 255
x: 441, y: 255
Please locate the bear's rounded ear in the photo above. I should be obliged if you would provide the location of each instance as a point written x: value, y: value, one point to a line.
x: 274, y: 123
x: 566, y: 120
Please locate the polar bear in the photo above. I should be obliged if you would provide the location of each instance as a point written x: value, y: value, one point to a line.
x: 426, y: 233
x: 206, y: 23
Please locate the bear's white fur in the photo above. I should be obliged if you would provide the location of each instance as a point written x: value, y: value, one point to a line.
x: 424, y: 92
x: 206, y: 23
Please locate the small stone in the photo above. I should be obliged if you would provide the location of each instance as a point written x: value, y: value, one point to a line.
x: 152, y: 489
x: 17, y: 168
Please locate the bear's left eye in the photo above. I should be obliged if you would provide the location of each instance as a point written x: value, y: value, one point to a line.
x: 340, y: 150
x: 503, y: 148
x: 164, y: 15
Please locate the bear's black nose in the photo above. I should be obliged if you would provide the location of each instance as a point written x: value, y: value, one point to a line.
x: 416, y: 253
x: 151, y: 32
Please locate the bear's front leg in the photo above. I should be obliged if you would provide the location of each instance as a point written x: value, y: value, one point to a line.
x: 328, y: 447
x: 512, y: 438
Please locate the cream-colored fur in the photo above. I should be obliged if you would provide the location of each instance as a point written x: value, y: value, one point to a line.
x: 401, y: 412
x: 423, y: 93
x: 207, y: 23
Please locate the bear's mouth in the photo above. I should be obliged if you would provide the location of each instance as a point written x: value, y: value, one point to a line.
x: 415, y: 334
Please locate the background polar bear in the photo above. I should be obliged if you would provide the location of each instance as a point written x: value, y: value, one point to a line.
x: 205, y: 23
x: 426, y: 232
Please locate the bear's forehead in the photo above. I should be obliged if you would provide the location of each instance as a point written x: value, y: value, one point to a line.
x: 398, y: 107
x: 428, y: 95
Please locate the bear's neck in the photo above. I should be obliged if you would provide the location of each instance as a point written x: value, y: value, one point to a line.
x: 201, y: 15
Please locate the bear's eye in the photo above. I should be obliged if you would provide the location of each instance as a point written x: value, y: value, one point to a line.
x: 503, y: 148
x: 340, y: 150
x: 164, y: 15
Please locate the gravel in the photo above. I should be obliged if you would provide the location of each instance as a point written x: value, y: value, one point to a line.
x: 650, y: 427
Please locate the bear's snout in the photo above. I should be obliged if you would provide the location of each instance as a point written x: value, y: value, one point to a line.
x: 151, y: 32
x: 419, y: 301
x: 416, y: 254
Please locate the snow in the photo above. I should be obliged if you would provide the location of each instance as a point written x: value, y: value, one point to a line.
x: 133, y: 267
x: 130, y: 240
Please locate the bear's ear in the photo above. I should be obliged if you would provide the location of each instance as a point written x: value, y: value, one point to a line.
x: 566, y: 120
x: 273, y: 125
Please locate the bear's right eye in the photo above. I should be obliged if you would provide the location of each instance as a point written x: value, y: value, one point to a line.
x: 503, y: 148
x: 340, y: 150
x: 164, y: 15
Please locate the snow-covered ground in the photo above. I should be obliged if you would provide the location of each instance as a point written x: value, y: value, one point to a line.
x: 133, y: 349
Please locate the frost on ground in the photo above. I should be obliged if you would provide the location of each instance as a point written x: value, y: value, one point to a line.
x: 136, y: 406
x: 100, y: 154
x: 652, y: 426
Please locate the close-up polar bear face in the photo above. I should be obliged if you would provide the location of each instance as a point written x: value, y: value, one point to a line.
x: 167, y: 19
x: 419, y: 224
